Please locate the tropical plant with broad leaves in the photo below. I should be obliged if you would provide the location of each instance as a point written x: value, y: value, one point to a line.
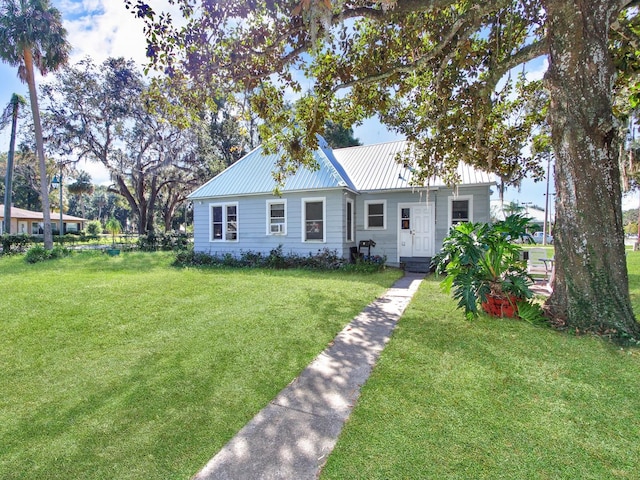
x: 482, y: 260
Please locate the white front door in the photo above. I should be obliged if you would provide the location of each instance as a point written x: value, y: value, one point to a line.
x: 416, y: 237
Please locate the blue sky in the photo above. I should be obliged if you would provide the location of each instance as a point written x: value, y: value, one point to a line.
x: 103, y: 28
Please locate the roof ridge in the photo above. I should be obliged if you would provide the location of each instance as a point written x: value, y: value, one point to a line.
x: 337, y: 170
x: 370, y: 145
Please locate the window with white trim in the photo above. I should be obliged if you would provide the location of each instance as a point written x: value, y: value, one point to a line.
x: 313, y: 218
x: 277, y: 217
x: 460, y: 209
x: 375, y: 215
x: 224, y: 222
x: 349, y: 220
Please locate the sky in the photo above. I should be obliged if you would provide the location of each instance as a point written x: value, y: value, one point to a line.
x: 103, y: 28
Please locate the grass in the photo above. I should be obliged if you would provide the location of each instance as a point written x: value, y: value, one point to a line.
x: 493, y: 399
x: 128, y: 368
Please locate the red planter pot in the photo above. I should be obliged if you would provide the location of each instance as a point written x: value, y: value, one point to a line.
x: 501, y: 307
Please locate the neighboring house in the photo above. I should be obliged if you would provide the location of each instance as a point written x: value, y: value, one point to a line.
x: 535, y: 213
x: 31, y: 223
x: 357, y: 194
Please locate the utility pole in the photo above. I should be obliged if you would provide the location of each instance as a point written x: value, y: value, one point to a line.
x: 58, y: 183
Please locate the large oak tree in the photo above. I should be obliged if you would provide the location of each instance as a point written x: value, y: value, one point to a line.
x: 442, y: 73
x: 99, y: 113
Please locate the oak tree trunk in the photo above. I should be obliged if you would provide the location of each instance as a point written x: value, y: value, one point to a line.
x: 591, y: 291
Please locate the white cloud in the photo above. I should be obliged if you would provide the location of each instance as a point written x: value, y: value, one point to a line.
x: 101, y: 29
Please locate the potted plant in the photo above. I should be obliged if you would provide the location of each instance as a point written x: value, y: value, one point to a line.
x: 483, y: 266
x: 113, y: 227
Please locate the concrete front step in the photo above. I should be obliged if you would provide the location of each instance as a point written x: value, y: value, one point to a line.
x: 416, y: 264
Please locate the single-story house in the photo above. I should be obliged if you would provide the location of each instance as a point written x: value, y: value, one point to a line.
x: 31, y: 223
x: 535, y: 213
x: 358, y: 194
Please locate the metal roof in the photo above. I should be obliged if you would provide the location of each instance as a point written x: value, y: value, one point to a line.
x: 374, y: 167
x: 253, y: 174
x: 363, y: 168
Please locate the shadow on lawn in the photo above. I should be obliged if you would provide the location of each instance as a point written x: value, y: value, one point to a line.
x: 294, y: 434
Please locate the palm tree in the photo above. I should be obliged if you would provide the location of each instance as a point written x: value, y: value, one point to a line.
x: 31, y: 34
x: 10, y: 112
x: 80, y: 188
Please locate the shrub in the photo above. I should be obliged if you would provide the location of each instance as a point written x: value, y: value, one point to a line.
x: 38, y: 253
x: 322, y: 260
x: 164, y: 241
x: 367, y: 264
x: 148, y: 242
x: 67, y: 238
x: 16, y: 243
x: 94, y: 228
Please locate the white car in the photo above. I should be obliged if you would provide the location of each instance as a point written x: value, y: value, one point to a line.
x: 538, y: 236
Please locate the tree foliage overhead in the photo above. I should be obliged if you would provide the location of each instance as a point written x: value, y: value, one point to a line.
x: 422, y: 66
x: 448, y: 75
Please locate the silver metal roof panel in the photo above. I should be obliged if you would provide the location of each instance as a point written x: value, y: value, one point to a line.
x: 253, y: 174
x: 374, y: 167
x: 363, y: 168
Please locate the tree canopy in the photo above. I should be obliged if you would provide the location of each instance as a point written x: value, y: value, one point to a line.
x: 103, y: 114
x: 448, y: 74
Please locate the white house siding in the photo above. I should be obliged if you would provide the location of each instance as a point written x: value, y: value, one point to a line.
x: 252, y: 225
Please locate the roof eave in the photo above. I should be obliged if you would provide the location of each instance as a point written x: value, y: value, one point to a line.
x: 282, y: 194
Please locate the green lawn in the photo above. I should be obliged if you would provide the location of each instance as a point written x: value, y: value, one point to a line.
x: 128, y: 368
x: 493, y: 399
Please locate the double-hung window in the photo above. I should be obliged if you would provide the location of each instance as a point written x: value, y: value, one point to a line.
x: 277, y: 217
x: 460, y: 209
x: 224, y: 222
x: 375, y: 213
x: 313, y: 218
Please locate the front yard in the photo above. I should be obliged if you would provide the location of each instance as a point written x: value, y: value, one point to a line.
x: 129, y: 368
x: 493, y: 399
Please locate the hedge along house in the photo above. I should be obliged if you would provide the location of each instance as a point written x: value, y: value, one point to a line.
x: 358, y: 194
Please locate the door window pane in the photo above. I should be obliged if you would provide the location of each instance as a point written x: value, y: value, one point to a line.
x: 406, y: 218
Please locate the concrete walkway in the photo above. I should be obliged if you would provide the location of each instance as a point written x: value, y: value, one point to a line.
x: 292, y: 436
